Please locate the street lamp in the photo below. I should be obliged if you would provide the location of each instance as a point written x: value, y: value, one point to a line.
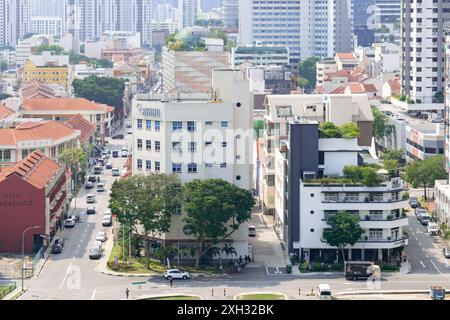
x: 23, y: 249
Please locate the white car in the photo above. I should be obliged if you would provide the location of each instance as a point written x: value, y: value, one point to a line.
x: 115, y: 172
x: 433, y: 228
x: 70, y: 223
x: 107, y: 221
x: 90, y: 198
x: 100, y: 187
x: 176, y: 274
x: 101, y: 236
x: 251, y: 231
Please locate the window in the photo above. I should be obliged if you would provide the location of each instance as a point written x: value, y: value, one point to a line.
x: 139, y: 143
x: 376, y: 215
x: 224, y: 124
x: 176, y: 146
x: 331, y: 197
x: 209, y: 123
x: 177, y: 126
x: 139, y: 164
x: 139, y: 123
x: 223, y: 165
x: 224, y: 144
x: 157, y: 166
x: 157, y: 125
x: 157, y: 146
x: 192, y: 127
x: 176, y: 167
x: 192, y: 146
x: 148, y: 124
x: 192, y: 168
x: 351, y: 197
x: 148, y: 165
x: 148, y: 144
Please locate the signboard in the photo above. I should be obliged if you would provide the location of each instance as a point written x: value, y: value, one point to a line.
x: 34, y: 143
x: 150, y: 112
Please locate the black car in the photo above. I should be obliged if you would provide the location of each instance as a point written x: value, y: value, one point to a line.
x: 92, y: 179
x: 95, y: 253
x: 58, y: 246
x: 91, y: 211
x: 108, y: 166
x: 118, y: 136
x: 413, y: 202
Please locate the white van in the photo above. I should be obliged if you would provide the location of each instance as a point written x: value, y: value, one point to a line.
x: 323, y: 292
x: 432, y: 228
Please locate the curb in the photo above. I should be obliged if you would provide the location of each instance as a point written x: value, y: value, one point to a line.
x: 13, y: 293
x: 155, y: 296
x: 350, y: 293
x: 155, y: 275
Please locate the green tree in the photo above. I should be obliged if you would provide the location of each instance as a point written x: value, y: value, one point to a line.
x: 344, y: 230
x: 229, y: 250
x: 346, y: 131
x: 215, y: 210
x: 53, y: 47
x: 350, y: 130
x: 381, y: 125
x: 146, y: 204
x: 307, y: 70
x: 75, y: 159
x: 425, y: 173
x: 439, y: 97
x: 390, y: 165
x: 106, y: 90
x: 396, y: 155
x: 302, y: 82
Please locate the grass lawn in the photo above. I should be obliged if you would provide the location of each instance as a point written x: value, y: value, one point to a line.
x: 175, y: 298
x: 261, y: 296
x: 4, y: 290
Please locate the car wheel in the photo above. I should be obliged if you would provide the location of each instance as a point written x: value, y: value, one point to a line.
x: 185, y: 277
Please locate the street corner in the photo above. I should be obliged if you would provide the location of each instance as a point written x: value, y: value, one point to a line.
x: 273, y: 271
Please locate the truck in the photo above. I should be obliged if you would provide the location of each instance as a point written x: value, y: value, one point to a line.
x: 361, y: 270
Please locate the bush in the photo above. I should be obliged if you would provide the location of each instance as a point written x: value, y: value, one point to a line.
x: 337, y: 267
x: 304, y: 266
x: 389, y: 267
x: 319, y: 267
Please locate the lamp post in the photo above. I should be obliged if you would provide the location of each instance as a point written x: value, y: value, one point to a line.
x: 23, y: 249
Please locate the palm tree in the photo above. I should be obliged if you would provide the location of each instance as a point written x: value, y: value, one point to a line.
x: 229, y: 250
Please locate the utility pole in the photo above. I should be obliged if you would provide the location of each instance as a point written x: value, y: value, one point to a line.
x: 23, y: 252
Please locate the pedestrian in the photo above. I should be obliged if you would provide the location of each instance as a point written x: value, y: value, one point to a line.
x: 98, y: 179
x: 240, y: 259
x: 171, y: 282
x: 127, y: 293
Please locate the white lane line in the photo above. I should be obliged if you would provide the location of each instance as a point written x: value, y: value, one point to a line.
x: 93, y: 294
x: 435, y: 267
x: 423, y: 265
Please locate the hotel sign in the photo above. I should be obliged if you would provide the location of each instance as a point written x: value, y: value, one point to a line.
x: 150, y: 112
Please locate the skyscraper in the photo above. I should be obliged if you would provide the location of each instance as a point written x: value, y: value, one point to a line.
x: 187, y: 13
x: 14, y: 21
x: 231, y: 13
x: 362, y: 26
x: 423, y: 49
x: 309, y: 28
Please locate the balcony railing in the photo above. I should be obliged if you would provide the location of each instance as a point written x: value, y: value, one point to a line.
x: 365, y: 201
x: 383, y: 240
x: 373, y: 219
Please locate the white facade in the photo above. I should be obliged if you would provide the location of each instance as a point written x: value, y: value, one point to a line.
x: 423, y: 49
x: 259, y: 55
x: 25, y: 48
x: 47, y: 25
x: 187, y: 13
x: 14, y: 21
x: 198, y: 137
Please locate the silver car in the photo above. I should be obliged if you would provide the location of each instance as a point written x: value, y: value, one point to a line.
x: 101, y: 236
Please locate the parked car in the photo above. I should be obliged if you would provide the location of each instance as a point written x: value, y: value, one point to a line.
x: 414, y: 203
x: 124, y: 153
x: 89, y: 185
x: 419, y: 211
x: 107, y: 221
x: 58, y: 246
x: 251, y: 231
x: 176, y: 274
x: 70, y: 222
x: 115, y: 172
x: 118, y: 136
x: 130, y: 131
x: 438, y: 120
x: 115, y: 153
x: 91, y: 211
x: 101, y: 236
x: 446, y: 252
x: 432, y: 228
x: 100, y: 187
x: 90, y: 198
x: 108, y: 166
x: 95, y: 253
x: 92, y: 179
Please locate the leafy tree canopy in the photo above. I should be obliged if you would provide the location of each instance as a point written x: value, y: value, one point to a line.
x: 425, y: 173
x: 307, y: 70
x: 106, y: 90
x: 53, y: 47
x: 381, y: 125
x: 346, y: 131
x: 215, y: 210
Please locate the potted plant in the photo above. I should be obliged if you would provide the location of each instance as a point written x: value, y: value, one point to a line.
x: 367, y: 217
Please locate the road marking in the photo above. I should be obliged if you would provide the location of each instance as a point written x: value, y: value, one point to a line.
x: 435, y: 267
x: 93, y: 294
x: 423, y: 265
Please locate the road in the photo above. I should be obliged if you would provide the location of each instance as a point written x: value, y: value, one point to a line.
x: 68, y: 273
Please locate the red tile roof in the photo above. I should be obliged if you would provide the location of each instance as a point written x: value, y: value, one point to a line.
x: 394, y: 83
x: 5, y: 112
x: 345, y: 55
x: 27, y: 131
x: 36, y: 169
x: 37, y: 89
x: 362, y: 87
x: 64, y: 104
x: 86, y: 128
